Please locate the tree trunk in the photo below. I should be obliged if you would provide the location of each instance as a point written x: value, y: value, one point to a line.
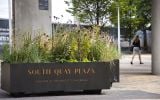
x: 97, y: 13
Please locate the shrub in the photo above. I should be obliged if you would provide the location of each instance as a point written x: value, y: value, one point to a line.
x: 65, y: 46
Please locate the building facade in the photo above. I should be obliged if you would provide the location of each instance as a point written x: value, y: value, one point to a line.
x: 4, y: 32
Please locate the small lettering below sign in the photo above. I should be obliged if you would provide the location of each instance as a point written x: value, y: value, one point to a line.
x: 43, y: 4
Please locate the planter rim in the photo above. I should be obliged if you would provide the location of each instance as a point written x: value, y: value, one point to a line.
x: 3, y: 62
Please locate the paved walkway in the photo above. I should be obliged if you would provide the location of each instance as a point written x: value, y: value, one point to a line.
x: 126, y: 67
x: 136, y: 82
x: 138, y: 77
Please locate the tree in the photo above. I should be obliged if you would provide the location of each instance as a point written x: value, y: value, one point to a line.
x: 91, y: 11
x: 144, y: 11
x: 133, y: 13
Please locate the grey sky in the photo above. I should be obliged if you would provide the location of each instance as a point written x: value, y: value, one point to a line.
x: 4, y: 9
x: 58, y: 9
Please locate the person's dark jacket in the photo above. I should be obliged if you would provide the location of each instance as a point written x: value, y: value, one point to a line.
x: 137, y: 44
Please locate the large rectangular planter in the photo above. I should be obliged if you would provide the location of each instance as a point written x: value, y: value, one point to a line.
x: 47, y: 77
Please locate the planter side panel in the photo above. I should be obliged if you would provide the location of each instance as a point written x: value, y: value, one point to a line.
x: 39, y: 78
x: 115, y: 70
x: 5, y: 76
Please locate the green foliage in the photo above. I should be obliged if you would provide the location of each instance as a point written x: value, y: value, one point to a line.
x: 6, y: 53
x: 90, y: 11
x: 82, y: 46
x: 29, y: 52
x: 133, y: 13
x: 67, y: 46
x: 96, y: 50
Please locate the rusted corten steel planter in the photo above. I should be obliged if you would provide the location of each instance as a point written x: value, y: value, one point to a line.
x: 29, y: 78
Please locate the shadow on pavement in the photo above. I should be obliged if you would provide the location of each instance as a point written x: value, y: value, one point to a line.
x: 106, y: 94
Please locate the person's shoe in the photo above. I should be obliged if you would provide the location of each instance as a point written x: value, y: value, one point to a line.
x: 141, y: 63
x: 131, y: 62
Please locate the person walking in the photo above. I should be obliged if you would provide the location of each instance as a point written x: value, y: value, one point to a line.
x: 136, y: 49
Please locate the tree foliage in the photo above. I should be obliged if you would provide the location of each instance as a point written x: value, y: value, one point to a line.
x: 91, y: 11
x: 133, y: 13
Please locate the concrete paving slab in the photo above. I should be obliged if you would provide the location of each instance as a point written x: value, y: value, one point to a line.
x: 126, y: 67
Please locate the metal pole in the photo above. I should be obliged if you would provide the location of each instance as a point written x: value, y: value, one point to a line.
x: 10, y: 24
x: 119, y: 46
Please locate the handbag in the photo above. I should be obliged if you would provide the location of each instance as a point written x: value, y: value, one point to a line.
x: 131, y: 48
